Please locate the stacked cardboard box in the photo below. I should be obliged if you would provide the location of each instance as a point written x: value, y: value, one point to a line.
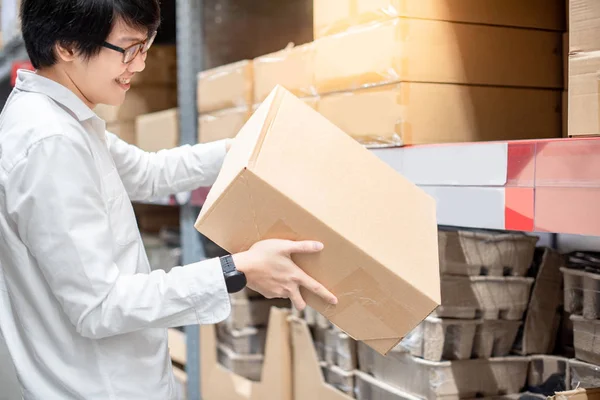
x: 584, y: 64
x: 445, y: 72
x: 225, y: 96
x: 152, y: 90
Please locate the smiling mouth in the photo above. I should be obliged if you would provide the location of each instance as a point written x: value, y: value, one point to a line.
x: 123, y: 81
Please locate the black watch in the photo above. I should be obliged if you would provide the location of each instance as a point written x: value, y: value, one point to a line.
x: 234, y: 279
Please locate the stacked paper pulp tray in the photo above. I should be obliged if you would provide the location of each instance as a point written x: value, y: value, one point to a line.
x: 584, y: 375
x: 586, y: 339
x: 437, y: 339
x: 246, y: 365
x: 249, y: 340
x: 446, y: 379
x: 582, y: 292
x: 247, y: 312
x: 548, y: 374
x: 487, y: 297
x: 464, y: 252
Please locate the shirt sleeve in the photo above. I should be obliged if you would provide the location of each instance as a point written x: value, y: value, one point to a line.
x: 56, y: 203
x: 182, y: 169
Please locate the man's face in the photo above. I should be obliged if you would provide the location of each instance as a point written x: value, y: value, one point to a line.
x: 104, y: 79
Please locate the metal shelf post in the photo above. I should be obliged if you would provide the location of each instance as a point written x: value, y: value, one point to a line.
x: 189, y: 61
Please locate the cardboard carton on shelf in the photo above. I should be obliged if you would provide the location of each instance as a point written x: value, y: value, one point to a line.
x: 157, y: 131
x: 161, y: 67
x: 139, y: 101
x: 410, y: 113
x: 124, y: 130
x: 222, y: 124
x: 292, y: 174
x: 291, y: 68
x: 417, y: 50
x: 227, y: 86
x: 584, y: 26
x: 584, y: 94
x: 332, y: 16
x: 276, y: 375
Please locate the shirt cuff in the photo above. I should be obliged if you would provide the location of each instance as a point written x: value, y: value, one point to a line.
x: 208, y: 292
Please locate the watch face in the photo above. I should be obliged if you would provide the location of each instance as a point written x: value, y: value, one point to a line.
x: 235, y: 282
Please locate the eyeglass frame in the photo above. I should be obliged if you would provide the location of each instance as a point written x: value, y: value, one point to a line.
x: 141, y: 47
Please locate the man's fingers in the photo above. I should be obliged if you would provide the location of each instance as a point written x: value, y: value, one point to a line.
x: 318, y: 289
x: 304, y: 246
x: 297, y: 300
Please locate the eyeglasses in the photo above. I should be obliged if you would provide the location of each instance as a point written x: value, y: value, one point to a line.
x: 131, y: 52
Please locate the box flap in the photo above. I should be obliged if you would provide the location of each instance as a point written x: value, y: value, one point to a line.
x: 578, y: 394
x: 220, y: 383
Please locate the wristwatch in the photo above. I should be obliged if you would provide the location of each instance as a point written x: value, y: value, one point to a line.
x: 234, y: 280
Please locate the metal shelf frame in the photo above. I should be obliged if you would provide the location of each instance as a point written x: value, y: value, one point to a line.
x: 189, y: 56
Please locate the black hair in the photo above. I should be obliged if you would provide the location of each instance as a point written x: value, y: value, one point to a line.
x: 83, y: 25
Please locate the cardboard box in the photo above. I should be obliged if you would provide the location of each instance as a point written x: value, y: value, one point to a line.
x: 158, y: 131
x: 420, y: 113
x: 578, y: 394
x: 565, y: 113
x: 139, y: 101
x: 220, y: 384
x: 584, y: 25
x: 333, y: 16
x: 161, y: 67
x: 437, y: 51
x: 177, y: 346
x: 222, y: 124
x: 308, y: 379
x: 584, y: 94
x: 124, y: 130
x: 291, y: 68
x: 227, y: 86
x: 291, y: 174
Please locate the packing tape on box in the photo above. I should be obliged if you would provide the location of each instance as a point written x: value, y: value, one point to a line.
x: 357, y: 15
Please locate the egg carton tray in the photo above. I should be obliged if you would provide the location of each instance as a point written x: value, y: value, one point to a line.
x: 437, y: 339
x: 486, y: 297
x: 586, y: 339
x: 369, y: 388
x: 340, y: 379
x: 583, y: 374
x: 248, y: 366
x: 446, y: 379
x: 581, y: 292
x: 249, y: 340
x: 339, y: 349
x: 485, y: 253
x: 252, y: 312
x: 548, y: 374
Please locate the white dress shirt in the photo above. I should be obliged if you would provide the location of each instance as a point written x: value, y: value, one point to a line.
x: 81, y: 312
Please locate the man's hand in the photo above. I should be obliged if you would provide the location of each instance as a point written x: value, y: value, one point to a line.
x: 270, y: 270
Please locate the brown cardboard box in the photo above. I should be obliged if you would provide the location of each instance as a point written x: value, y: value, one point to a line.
x: 436, y: 51
x: 220, y: 384
x: 177, y: 346
x: 223, y: 124
x: 158, y: 131
x: 565, y: 113
x: 124, y: 130
x: 308, y: 380
x: 292, y: 174
x: 161, y: 67
x: 138, y: 101
x: 421, y: 113
x: 291, y: 68
x: 584, y: 25
x: 578, y: 394
x: 332, y: 16
x: 227, y: 86
x: 584, y: 94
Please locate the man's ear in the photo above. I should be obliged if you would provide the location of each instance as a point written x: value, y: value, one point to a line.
x: 65, y: 52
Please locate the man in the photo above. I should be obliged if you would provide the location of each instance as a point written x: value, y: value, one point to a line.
x: 81, y: 312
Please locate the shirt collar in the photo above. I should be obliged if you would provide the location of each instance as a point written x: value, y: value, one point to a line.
x: 31, y: 82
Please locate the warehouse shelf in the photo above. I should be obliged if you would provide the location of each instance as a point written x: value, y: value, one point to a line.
x: 534, y: 185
